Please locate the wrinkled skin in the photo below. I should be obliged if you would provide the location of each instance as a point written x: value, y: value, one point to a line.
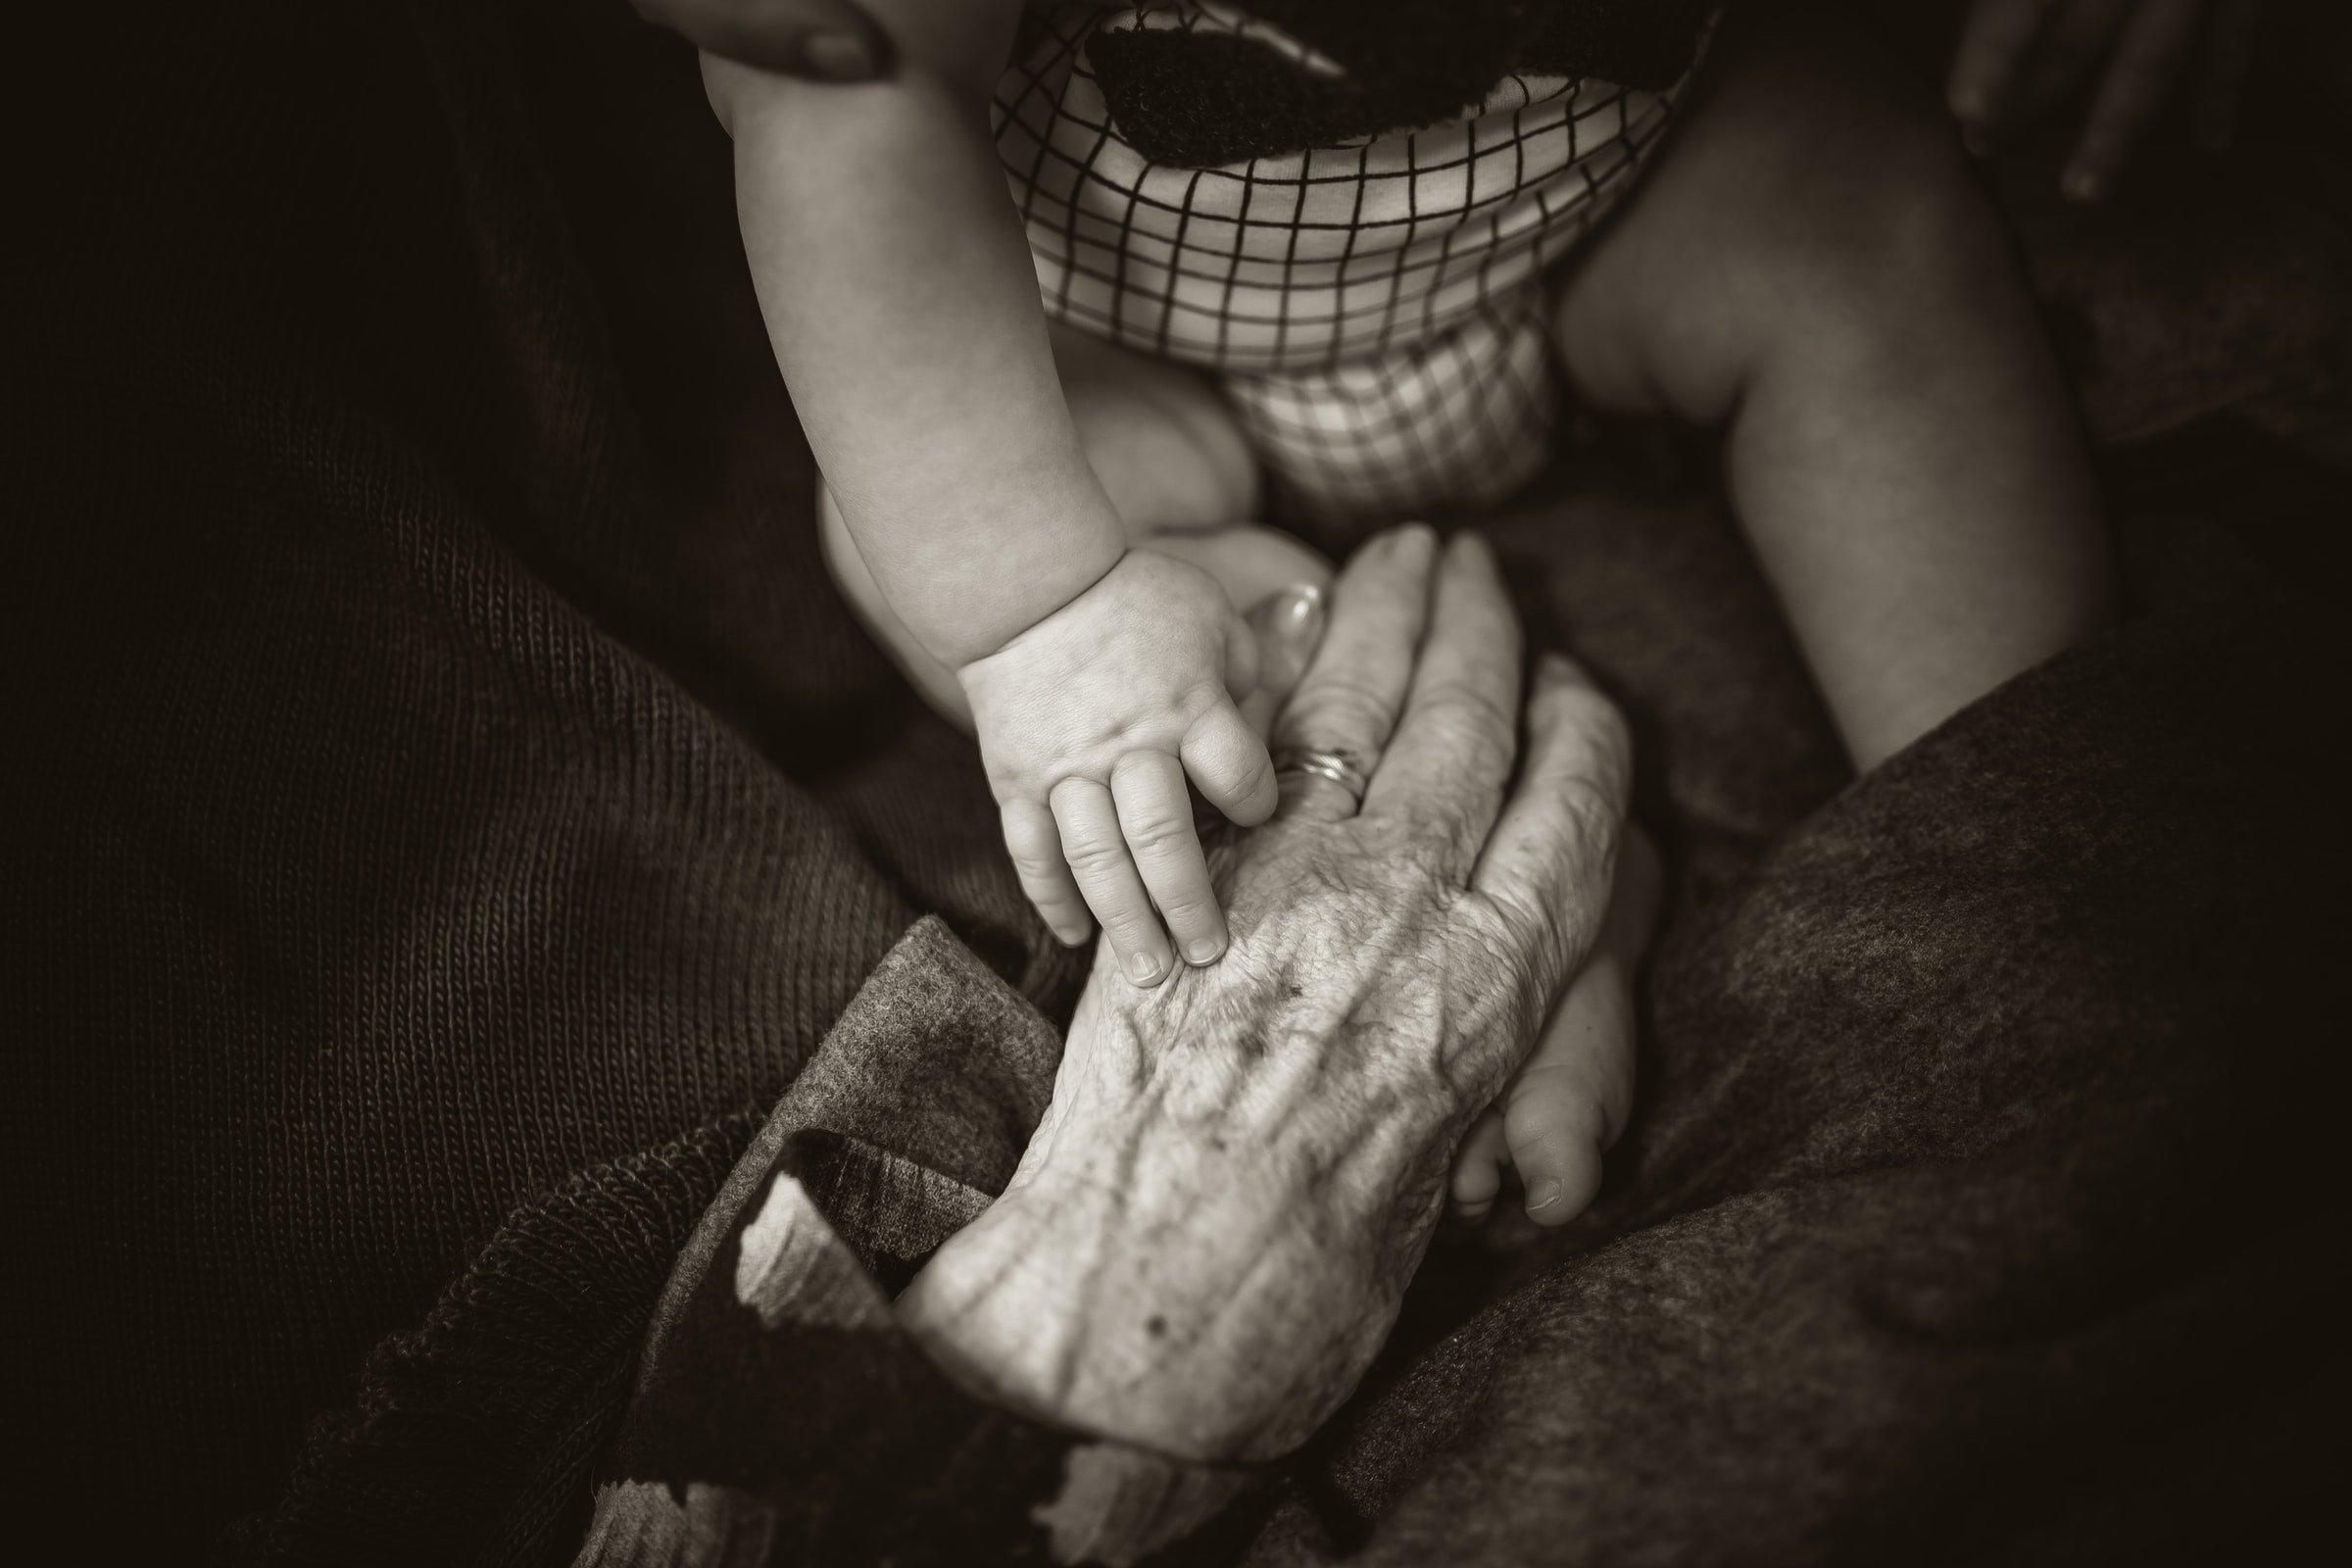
x: 1209, y: 1236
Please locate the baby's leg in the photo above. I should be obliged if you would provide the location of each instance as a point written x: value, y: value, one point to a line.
x: 1568, y: 1101
x: 1811, y: 266
x: 1175, y: 467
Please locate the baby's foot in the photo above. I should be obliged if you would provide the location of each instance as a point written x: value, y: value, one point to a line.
x: 1569, y: 1101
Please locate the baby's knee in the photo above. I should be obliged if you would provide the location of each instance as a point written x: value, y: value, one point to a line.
x: 1802, y: 213
x: 1902, y: 241
x: 1890, y: 263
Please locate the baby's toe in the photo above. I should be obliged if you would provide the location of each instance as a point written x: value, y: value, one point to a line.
x: 1553, y: 1134
x: 1478, y: 1167
x: 1564, y: 1108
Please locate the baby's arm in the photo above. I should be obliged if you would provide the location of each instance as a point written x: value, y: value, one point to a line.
x: 900, y: 296
x: 902, y: 306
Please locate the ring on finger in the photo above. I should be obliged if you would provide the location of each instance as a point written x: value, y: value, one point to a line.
x: 1342, y: 768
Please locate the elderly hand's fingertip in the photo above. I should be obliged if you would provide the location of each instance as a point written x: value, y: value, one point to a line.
x: 1554, y: 669
x: 1476, y: 551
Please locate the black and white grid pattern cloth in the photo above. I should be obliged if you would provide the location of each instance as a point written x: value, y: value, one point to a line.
x: 1374, y: 309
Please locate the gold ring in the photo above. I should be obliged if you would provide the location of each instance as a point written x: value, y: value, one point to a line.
x: 1339, y: 767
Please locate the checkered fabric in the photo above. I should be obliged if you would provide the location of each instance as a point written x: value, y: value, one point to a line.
x: 1374, y: 309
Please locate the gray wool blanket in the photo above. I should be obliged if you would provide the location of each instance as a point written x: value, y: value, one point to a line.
x: 457, y: 851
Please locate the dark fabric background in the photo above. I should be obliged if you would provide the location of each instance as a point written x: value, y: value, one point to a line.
x: 444, y: 804
x: 438, y: 766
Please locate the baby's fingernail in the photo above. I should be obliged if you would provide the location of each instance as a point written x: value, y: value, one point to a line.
x: 1207, y: 949
x: 2083, y: 185
x: 1974, y: 140
x: 1142, y: 968
x: 838, y: 56
x: 1542, y: 1195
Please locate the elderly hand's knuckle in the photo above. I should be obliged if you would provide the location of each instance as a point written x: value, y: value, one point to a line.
x: 1594, y: 818
x: 1471, y: 702
x: 1487, y: 753
x: 1429, y: 854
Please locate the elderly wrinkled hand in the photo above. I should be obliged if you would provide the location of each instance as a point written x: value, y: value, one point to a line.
x: 1209, y: 1236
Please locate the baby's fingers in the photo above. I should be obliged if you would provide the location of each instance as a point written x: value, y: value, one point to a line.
x: 2147, y: 64
x: 1035, y: 845
x: 1096, y: 849
x: 1993, y: 44
x: 1156, y: 815
x: 1229, y: 762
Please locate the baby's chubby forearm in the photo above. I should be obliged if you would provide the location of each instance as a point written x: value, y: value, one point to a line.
x: 1103, y: 683
x: 902, y: 303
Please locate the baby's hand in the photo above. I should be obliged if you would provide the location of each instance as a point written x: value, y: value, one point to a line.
x: 2019, y: 56
x: 1090, y: 722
